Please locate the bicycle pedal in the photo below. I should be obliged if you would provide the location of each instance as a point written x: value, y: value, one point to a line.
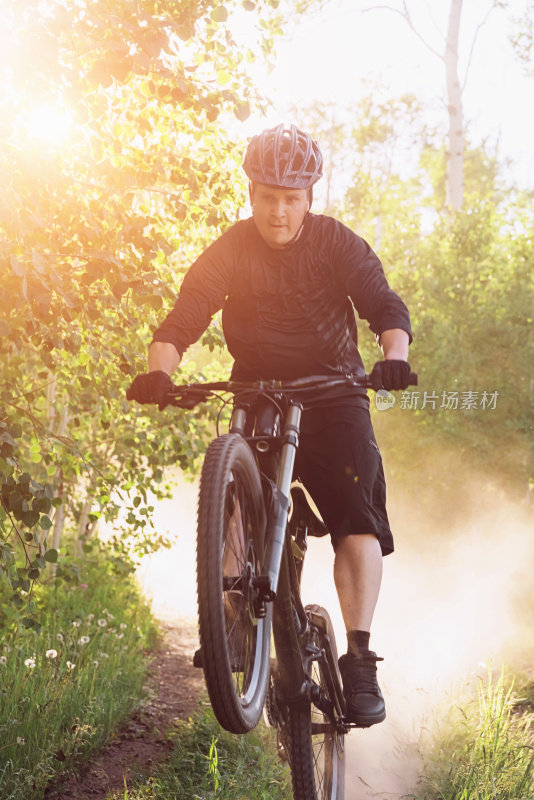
x: 354, y: 725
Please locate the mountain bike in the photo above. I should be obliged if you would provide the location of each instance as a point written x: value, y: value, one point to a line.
x: 253, y: 529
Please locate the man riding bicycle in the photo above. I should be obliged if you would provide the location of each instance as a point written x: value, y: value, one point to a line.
x: 288, y: 282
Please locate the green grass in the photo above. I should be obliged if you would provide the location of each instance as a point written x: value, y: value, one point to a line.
x: 209, y: 764
x: 485, y: 748
x: 61, y: 693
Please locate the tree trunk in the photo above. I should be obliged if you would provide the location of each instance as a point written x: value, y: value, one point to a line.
x: 59, y: 519
x: 455, y: 152
x: 82, y: 527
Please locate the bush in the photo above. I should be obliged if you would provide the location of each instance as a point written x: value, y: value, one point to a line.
x: 485, y: 751
x: 63, y: 691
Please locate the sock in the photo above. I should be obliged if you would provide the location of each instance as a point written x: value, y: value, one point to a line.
x: 357, y: 642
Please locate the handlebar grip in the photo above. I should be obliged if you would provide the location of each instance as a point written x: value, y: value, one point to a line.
x: 412, y: 380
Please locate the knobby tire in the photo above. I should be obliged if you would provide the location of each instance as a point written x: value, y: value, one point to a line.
x: 314, y: 748
x: 235, y: 643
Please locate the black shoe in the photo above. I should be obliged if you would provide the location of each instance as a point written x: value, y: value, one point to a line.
x: 365, y: 703
x: 236, y: 661
x: 198, y: 659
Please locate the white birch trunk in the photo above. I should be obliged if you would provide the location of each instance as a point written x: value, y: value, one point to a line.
x: 82, y: 525
x: 455, y: 152
x: 57, y: 530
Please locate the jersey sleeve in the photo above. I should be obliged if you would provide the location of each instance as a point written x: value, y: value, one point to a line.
x: 203, y: 292
x: 360, y: 274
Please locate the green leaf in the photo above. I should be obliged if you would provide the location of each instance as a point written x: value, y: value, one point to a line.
x: 16, y: 431
x: 242, y: 111
x: 45, y: 522
x: 30, y: 518
x: 219, y: 14
x: 51, y: 556
x: 223, y: 77
x: 17, y: 267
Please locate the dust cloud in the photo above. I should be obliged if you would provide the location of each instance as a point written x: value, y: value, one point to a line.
x: 453, y: 600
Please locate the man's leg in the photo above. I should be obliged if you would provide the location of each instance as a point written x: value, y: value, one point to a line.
x: 358, y: 574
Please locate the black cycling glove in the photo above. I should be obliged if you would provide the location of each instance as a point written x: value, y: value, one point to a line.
x: 152, y: 387
x: 390, y: 374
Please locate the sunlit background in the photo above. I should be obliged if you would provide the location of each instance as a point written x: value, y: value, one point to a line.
x: 342, y: 53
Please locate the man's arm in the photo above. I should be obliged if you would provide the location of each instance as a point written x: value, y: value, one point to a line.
x: 163, y: 356
x: 394, y: 344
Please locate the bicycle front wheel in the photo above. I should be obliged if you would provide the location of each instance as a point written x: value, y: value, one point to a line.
x: 234, y: 639
x: 316, y: 748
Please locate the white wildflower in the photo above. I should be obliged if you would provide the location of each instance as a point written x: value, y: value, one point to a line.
x: 59, y: 637
x: 30, y: 663
x: 70, y: 665
x: 20, y: 740
x: 3, y: 660
x: 76, y: 623
x: 84, y: 640
x: 123, y: 626
x: 120, y: 635
x: 90, y: 617
x: 102, y: 623
x: 95, y: 663
x: 51, y: 653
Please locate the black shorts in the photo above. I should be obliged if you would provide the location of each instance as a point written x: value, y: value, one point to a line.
x: 339, y: 463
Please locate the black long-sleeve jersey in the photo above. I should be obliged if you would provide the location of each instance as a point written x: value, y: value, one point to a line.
x: 287, y: 313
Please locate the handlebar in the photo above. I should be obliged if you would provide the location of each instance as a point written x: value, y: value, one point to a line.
x: 199, y: 392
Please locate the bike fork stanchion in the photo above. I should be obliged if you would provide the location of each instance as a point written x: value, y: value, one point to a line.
x: 277, y: 527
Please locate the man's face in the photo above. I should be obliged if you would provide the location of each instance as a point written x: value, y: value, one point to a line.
x: 278, y: 213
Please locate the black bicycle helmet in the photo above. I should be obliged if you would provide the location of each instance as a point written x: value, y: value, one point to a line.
x: 285, y: 157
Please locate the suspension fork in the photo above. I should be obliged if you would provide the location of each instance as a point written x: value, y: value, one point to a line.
x: 276, y: 530
x: 267, y: 583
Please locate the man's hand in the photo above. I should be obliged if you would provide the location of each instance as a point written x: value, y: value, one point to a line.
x: 152, y: 387
x: 390, y: 374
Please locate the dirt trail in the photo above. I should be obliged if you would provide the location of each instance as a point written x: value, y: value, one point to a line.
x: 174, y: 686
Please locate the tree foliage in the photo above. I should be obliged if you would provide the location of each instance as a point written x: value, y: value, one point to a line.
x: 466, y: 278
x: 117, y: 169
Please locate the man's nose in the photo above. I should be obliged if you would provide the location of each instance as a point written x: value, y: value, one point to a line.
x: 278, y: 208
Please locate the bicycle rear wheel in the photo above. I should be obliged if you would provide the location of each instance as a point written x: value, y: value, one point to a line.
x: 235, y: 642
x: 316, y: 748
